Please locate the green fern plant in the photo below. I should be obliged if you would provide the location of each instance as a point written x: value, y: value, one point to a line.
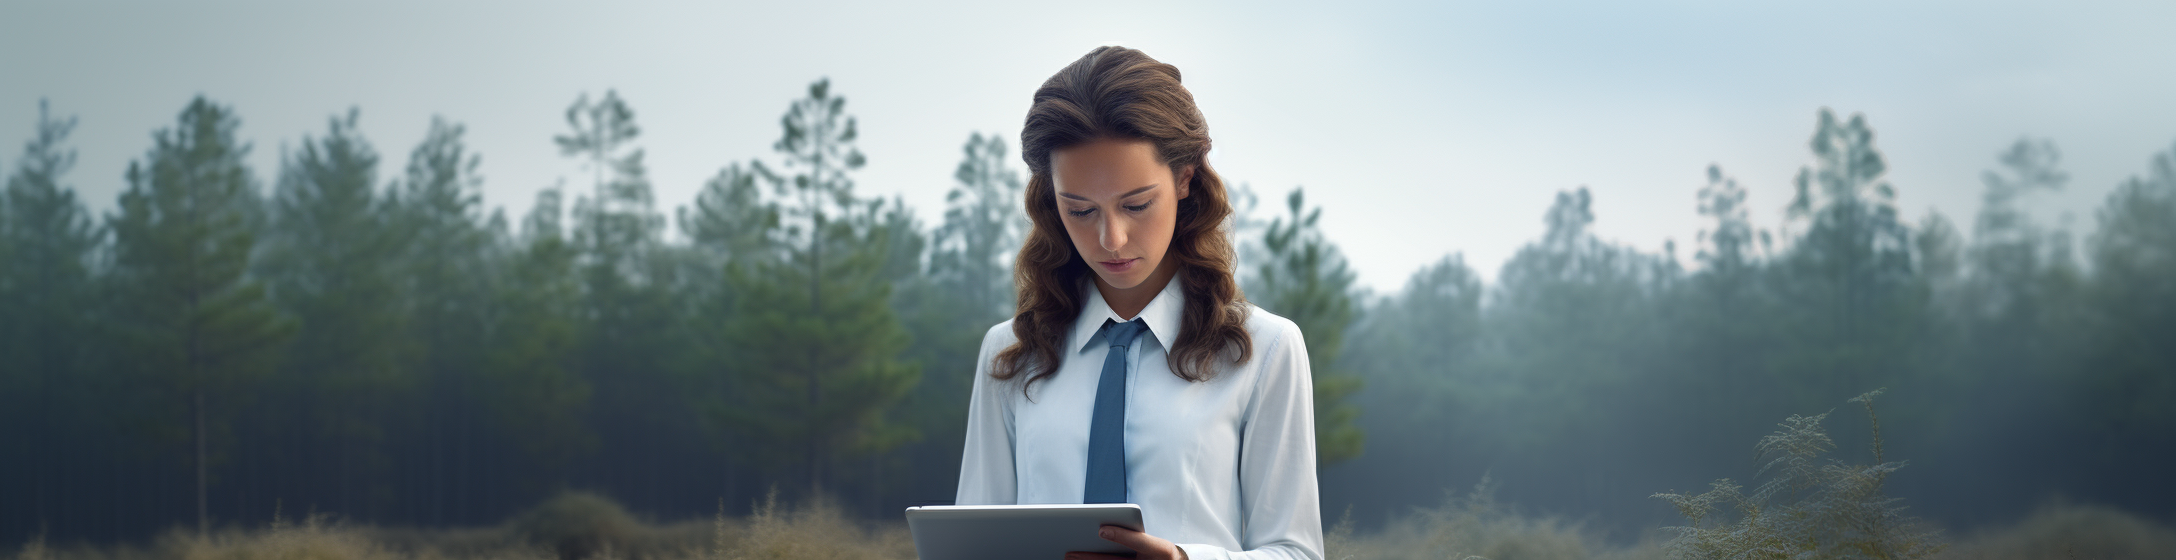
x: 1810, y: 506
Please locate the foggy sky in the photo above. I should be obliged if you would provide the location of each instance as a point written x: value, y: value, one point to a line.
x: 1423, y: 129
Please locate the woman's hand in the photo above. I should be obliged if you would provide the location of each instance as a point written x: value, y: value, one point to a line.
x: 1144, y: 545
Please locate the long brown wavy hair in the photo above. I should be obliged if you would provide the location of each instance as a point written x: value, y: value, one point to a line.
x: 1117, y: 92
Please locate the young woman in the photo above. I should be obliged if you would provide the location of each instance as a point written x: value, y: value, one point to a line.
x: 1135, y: 372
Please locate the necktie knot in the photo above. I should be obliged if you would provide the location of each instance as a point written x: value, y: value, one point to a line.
x: 1121, y: 335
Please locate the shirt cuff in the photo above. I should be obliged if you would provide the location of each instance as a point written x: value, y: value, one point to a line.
x: 1204, y: 552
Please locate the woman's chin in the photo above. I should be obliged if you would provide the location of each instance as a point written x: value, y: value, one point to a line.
x: 1118, y: 281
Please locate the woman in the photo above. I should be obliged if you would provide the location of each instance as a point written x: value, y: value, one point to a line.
x: 1135, y: 372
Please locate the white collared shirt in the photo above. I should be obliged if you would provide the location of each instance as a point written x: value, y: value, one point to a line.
x: 1225, y: 468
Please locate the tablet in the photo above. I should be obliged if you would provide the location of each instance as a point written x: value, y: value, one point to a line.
x: 1032, y: 532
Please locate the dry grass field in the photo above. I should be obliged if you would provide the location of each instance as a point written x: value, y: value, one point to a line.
x: 579, y: 526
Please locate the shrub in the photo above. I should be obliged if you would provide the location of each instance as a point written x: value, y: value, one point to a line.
x: 1474, y: 526
x: 1809, y: 507
x: 319, y: 537
x: 2071, y: 531
x: 815, y: 531
x: 35, y: 550
x: 579, y: 525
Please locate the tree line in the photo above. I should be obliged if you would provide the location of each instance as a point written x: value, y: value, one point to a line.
x: 217, y: 349
x: 221, y: 347
x: 2024, y: 363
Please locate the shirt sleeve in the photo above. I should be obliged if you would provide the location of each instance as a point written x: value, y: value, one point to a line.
x: 986, y: 466
x: 1283, y: 509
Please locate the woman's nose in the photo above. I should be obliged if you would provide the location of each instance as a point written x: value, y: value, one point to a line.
x: 1114, y: 236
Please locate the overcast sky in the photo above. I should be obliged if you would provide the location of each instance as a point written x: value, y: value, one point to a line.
x: 1423, y: 129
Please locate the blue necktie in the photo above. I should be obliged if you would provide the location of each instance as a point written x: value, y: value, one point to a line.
x: 1107, y: 430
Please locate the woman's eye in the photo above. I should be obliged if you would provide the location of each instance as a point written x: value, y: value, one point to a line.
x: 1080, y: 212
x: 1136, y: 208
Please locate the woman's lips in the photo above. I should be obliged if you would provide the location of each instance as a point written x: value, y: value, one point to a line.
x: 1119, y: 266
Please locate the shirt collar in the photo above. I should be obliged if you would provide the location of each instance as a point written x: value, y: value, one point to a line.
x: 1162, y: 314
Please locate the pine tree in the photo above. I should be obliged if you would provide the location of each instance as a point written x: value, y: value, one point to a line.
x: 634, y: 332
x: 730, y: 225
x: 439, y: 200
x: 447, y: 260
x: 1938, y: 258
x: 1417, y: 347
x: 2133, y: 257
x: 1856, y: 298
x: 334, y: 262
x: 617, y: 225
x: 730, y: 220
x: 47, y: 239
x: 968, y: 288
x: 2021, y: 286
x: 195, y: 327
x: 532, y: 389
x: 1563, y: 320
x: 903, y: 237
x: 982, y: 226
x: 1732, y: 246
x: 1307, y: 280
x: 818, y: 339
x: 2007, y: 241
x: 1417, y: 351
x: 1722, y: 317
x: 618, y: 220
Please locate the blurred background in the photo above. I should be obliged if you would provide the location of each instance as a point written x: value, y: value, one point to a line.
x: 429, y: 265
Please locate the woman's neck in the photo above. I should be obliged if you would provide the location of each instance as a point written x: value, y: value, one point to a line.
x: 1128, y: 302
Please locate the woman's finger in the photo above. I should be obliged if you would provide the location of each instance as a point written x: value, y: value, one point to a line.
x: 1147, y: 546
x: 1136, y: 540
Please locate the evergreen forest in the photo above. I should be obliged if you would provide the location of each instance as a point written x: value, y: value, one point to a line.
x: 356, y: 332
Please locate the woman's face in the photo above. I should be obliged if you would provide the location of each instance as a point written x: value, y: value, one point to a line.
x: 1119, y: 205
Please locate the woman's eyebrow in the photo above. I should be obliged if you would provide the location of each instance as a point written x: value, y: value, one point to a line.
x: 1128, y: 193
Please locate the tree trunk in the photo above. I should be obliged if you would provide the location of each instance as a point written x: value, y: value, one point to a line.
x: 203, y: 523
x: 815, y: 370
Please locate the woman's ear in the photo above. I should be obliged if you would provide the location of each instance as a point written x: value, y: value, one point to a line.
x: 1186, y: 181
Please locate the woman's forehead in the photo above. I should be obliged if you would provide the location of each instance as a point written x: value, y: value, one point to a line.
x: 1106, y: 168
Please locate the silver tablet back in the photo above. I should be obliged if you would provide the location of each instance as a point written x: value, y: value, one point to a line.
x: 1032, y: 532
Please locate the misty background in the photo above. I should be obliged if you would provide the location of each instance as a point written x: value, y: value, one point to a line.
x: 428, y: 265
